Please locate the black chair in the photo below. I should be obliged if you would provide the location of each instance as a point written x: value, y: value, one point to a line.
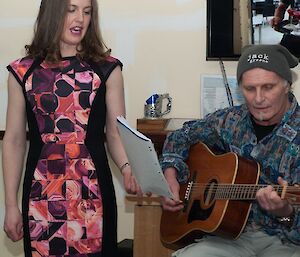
x: 125, y: 248
x: 258, y: 7
x: 268, y: 8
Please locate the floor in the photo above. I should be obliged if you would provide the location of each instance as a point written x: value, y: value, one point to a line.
x: 264, y: 33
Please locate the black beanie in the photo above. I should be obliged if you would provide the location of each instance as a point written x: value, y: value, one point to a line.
x: 274, y: 58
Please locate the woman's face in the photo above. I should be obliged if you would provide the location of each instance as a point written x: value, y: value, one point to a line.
x: 76, y: 24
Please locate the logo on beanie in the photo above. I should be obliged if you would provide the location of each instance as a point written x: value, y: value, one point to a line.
x: 258, y: 58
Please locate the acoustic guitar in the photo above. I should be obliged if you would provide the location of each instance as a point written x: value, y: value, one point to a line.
x: 217, y: 198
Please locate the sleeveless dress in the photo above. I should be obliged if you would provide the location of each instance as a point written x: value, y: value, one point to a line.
x: 68, y: 204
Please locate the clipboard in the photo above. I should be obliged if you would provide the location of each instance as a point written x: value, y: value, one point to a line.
x: 143, y: 160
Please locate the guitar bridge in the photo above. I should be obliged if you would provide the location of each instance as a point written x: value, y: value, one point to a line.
x: 188, y: 192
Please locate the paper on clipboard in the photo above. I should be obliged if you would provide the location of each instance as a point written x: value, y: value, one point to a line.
x: 143, y: 160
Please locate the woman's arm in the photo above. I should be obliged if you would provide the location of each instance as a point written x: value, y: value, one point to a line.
x: 116, y: 107
x: 14, y: 146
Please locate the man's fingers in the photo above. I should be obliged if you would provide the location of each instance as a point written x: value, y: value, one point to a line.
x: 282, y: 182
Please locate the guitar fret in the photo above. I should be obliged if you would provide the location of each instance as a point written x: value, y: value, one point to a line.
x: 236, y: 195
x: 278, y: 189
x: 235, y: 192
x: 226, y: 196
x: 253, y: 192
x: 245, y: 193
x: 218, y: 193
x: 240, y: 193
x: 221, y: 191
x: 230, y: 192
x: 226, y: 192
x: 249, y: 195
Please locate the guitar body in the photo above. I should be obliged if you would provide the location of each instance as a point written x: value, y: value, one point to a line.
x: 203, y: 214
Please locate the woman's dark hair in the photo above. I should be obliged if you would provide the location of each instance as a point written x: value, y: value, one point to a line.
x: 49, y: 27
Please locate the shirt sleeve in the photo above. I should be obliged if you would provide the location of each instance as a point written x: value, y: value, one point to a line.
x: 109, y: 65
x: 293, y: 233
x: 177, y: 144
x: 19, y: 68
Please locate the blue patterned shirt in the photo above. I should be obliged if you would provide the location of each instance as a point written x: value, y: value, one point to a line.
x: 231, y: 130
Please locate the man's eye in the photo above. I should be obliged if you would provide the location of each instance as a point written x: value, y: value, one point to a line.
x: 268, y: 87
x: 249, y: 88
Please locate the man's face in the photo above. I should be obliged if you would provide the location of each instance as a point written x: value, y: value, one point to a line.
x: 266, y: 95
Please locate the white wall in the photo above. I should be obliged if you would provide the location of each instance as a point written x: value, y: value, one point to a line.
x: 162, y: 45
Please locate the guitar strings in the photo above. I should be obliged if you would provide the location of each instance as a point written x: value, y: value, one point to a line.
x: 241, y: 191
x: 245, y: 186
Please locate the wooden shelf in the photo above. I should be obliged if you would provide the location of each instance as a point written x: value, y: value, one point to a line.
x: 152, y: 124
x: 155, y: 129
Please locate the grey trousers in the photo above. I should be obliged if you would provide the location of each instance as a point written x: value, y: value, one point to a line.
x: 249, y: 244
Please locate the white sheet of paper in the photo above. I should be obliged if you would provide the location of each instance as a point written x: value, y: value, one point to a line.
x: 143, y: 160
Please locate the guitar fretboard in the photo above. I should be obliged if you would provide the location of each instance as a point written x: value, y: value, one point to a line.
x: 240, y: 192
x: 243, y: 191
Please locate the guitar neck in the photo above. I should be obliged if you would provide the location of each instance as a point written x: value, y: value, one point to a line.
x: 248, y: 192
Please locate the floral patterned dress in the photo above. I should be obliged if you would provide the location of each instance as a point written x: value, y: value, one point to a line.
x: 68, y: 205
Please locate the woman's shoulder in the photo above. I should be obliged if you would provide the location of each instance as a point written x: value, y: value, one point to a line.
x: 105, y: 67
x: 113, y: 60
x: 19, y: 67
x: 23, y: 61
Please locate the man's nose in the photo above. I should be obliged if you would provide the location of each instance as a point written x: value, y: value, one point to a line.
x: 259, y: 97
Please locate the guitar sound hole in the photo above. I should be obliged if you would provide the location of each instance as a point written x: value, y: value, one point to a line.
x: 210, y: 192
x: 198, y: 213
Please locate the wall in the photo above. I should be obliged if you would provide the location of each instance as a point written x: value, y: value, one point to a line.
x: 162, y: 45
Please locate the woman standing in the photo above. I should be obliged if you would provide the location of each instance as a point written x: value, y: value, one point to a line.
x: 70, y: 91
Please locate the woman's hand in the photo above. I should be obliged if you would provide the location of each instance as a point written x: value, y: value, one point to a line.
x: 130, y: 183
x: 13, y: 223
x: 167, y: 203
